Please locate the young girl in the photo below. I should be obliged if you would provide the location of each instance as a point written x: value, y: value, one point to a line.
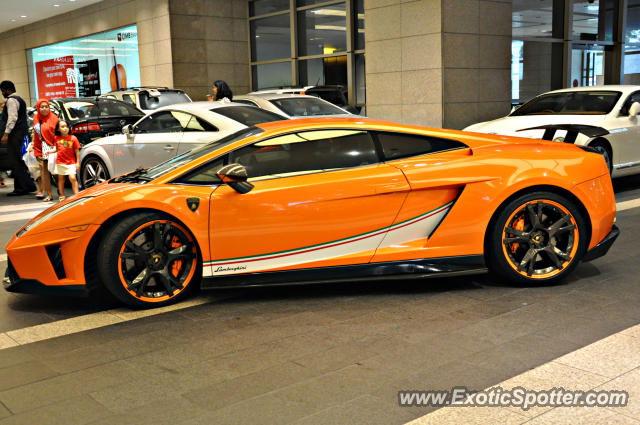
x: 68, y: 158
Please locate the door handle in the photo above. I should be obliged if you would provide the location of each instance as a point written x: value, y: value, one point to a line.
x: 168, y: 148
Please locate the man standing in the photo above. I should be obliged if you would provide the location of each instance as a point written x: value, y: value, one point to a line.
x: 13, y: 127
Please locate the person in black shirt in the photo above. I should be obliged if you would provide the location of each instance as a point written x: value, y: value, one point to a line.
x: 13, y: 127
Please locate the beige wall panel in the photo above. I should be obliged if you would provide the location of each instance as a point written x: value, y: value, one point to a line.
x: 239, y: 27
x: 386, y: 112
x: 382, y: 23
x: 147, y: 54
x: 494, y: 85
x: 217, y: 28
x: 421, y: 52
x: 187, y: 26
x: 380, y: 3
x: 382, y: 89
x: 495, y: 18
x: 491, y: 110
x: 384, y: 56
x: 163, y: 52
x: 423, y: 86
x: 461, y: 50
x: 240, y: 51
x: 460, y: 115
x: 145, y: 31
x: 420, y: 17
x: 494, y: 51
x: 147, y: 75
x: 189, y: 51
x: 241, y: 9
x: 127, y: 12
x: 424, y: 114
x: 221, y: 71
x: 461, y: 16
x: 221, y: 51
x: 164, y: 75
x: 161, y: 28
x: 460, y: 85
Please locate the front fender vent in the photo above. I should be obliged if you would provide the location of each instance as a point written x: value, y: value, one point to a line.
x: 55, y: 256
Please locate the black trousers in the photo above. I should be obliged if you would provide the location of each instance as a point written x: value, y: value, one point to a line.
x: 22, y: 181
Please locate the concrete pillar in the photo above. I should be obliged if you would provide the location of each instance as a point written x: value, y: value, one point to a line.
x: 208, y: 43
x: 442, y: 63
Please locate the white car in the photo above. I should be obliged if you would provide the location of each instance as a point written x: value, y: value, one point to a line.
x: 148, y: 99
x: 168, y: 132
x: 612, y: 108
x: 293, y: 105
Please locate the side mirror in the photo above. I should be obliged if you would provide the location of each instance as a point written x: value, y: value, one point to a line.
x: 126, y: 130
x: 235, y: 175
x: 634, y: 110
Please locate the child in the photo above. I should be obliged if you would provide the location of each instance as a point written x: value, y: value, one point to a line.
x: 68, y: 158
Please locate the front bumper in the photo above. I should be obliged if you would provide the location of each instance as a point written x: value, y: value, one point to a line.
x: 603, y: 247
x: 13, y: 283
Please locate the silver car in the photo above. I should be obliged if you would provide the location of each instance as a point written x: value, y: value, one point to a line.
x: 168, y: 132
x: 293, y: 105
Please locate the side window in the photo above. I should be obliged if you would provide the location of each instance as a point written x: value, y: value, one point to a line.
x: 402, y: 145
x: 197, y: 124
x: 311, y: 151
x: 161, y: 122
x: 204, y: 175
x: 633, y: 97
x: 129, y: 99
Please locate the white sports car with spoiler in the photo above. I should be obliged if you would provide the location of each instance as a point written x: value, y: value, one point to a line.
x: 602, y: 117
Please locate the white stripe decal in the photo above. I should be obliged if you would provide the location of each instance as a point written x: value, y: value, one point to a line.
x: 416, y: 228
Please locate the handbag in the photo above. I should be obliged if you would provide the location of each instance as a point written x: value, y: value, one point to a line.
x: 51, y: 165
x: 47, y: 148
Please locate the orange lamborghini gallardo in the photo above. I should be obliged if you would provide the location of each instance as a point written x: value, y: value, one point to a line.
x: 316, y: 200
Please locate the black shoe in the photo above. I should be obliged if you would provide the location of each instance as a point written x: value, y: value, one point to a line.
x: 14, y: 193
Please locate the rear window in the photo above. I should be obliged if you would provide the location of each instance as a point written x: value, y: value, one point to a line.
x: 248, y: 115
x: 166, y: 98
x: 90, y: 108
x: 306, y: 106
x: 400, y: 145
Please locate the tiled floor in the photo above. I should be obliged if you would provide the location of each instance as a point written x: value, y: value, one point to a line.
x: 613, y: 363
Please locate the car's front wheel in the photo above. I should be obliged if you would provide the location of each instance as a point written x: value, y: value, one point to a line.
x: 605, y: 151
x: 537, y: 239
x: 148, y: 260
x: 93, y: 172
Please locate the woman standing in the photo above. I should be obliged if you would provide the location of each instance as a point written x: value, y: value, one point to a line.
x: 44, y: 125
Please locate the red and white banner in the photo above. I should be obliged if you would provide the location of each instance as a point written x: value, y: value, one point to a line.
x: 56, y: 78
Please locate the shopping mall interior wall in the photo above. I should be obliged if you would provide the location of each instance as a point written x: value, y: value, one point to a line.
x: 404, y: 61
x: 443, y: 63
x: 209, y: 42
x: 476, y: 60
x: 151, y: 17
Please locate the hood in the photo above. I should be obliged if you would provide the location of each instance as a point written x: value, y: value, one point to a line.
x: 510, y: 125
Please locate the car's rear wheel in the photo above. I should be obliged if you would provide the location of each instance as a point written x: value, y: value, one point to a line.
x: 149, y: 260
x: 93, y: 172
x: 537, y: 239
x: 605, y: 151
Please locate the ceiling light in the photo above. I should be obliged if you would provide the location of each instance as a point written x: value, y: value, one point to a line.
x: 329, y: 12
x: 23, y: 16
x: 56, y: 5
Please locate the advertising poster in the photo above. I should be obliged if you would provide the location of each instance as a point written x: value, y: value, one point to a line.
x: 56, y: 77
x: 88, y: 78
x: 87, y: 66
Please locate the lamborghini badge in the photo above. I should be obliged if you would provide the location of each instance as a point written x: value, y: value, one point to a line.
x: 193, y: 203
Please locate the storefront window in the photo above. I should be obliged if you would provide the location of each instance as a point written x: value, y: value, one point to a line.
x: 270, y: 38
x: 261, y: 7
x: 321, y: 71
x: 531, y: 19
x: 322, y: 31
x: 632, y: 44
x: 587, y: 66
x: 360, y: 91
x: 593, y: 20
x: 271, y: 75
x: 359, y: 24
x: 532, y: 63
x: 86, y: 66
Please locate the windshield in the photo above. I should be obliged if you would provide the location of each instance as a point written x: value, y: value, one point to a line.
x: 306, y: 106
x: 576, y: 102
x: 166, y: 98
x: 178, y: 161
x: 248, y: 115
x: 96, y: 108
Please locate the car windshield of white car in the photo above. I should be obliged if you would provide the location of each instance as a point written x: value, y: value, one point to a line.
x: 248, y: 115
x: 576, y: 102
x: 179, y: 161
x: 166, y: 98
x: 306, y: 107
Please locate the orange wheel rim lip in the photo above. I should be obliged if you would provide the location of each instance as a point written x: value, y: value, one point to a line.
x: 176, y: 291
x: 565, y: 263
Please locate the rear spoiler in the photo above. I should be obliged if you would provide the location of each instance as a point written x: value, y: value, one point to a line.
x: 572, y: 130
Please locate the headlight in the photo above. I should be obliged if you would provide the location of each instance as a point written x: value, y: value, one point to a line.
x: 53, y: 213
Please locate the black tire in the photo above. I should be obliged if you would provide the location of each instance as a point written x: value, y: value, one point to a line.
x: 149, y: 260
x: 93, y: 172
x: 605, y: 151
x: 537, y: 239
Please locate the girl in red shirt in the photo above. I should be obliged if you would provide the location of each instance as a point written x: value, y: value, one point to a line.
x: 68, y: 158
x: 44, y: 124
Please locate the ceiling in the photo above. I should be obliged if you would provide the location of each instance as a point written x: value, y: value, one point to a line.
x: 35, y: 10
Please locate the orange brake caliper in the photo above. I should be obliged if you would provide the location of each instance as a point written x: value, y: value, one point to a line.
x: 518, y: 225
x: 177, y: 265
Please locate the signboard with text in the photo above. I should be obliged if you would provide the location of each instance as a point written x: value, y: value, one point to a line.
x: 56, y: 77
